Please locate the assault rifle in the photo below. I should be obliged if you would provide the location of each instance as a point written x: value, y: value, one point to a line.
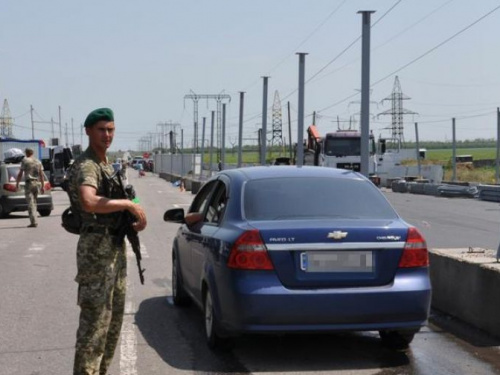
x: 128, y: 230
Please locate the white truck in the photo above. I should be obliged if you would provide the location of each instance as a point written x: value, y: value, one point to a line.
x: 56, y: 160
x: 340, y: 149
x: 8, y: 143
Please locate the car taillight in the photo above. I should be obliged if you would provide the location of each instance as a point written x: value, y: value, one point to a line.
x: 10, y: 187
x: 249, y: 253
x: 46, y: 186
x: 415, y: 252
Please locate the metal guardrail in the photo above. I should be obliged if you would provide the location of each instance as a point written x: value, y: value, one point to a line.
x: 489, y: 193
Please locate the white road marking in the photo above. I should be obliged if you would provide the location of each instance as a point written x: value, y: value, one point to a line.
x: 36, y: 247
x: 33, y: 249
x: 128, y: 345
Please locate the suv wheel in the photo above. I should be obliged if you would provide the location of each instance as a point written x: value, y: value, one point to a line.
x: 45, y: 212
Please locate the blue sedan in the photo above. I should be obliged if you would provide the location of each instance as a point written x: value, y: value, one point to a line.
x: 283, y: 249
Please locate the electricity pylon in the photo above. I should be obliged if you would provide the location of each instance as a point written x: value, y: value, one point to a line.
x: 6, y: 120
x: 397, y: 112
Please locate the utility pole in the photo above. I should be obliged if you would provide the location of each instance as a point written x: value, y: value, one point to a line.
x: 240, y: 130
x: 365, y: 93
x: 202, y: 145
x: 211, y: 141
x: 32, y: 123
x: 60, y: 134
x: 66, y: 133
x: 72, y: 131
x: 418, y: 150
x: 497, y: 163
x: 182, y: 152
x: 290, y: 131
x: 454, y: 151
x: 300, y: 122
x: 263, y: 142
x: 223, y: 143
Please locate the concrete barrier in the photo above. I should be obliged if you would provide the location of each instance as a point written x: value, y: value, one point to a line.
x: 466, y: 284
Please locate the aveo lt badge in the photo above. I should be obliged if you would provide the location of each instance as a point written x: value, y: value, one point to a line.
x: 337, y: 235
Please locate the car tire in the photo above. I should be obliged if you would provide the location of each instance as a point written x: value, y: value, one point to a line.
x: 45, y: 212
x: 179, y: 295
x: 397, y: 339
x: 214, y: 341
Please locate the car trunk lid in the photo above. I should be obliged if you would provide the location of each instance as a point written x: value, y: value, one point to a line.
x: 341, y: 253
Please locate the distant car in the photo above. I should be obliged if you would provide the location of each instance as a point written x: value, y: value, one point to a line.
x: 14, y: 201
x: 286, y: 250
x: 136, y: 163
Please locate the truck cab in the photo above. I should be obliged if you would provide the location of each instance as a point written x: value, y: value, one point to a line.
x: 342, y: 149
x: 56, y: 160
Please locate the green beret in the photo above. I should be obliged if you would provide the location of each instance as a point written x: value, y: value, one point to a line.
x: 100, y: 114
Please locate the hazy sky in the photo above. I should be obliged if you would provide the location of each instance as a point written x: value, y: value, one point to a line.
x: 142, y: 58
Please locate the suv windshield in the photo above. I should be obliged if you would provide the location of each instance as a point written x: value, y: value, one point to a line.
x: 314, y: 198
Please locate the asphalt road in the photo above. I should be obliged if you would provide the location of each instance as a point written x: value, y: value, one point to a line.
x: 39, y: 316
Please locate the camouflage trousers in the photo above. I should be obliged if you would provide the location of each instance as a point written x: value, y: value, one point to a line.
x: 102, y: 271
x: 31, y: 194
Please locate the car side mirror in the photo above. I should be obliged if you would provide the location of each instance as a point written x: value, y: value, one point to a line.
x: 174, y: 215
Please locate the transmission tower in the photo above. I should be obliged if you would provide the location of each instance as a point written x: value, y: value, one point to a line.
x: 6, y: 121
x: 277, y: 138
x: 219, y: 98
x: 397, y: 111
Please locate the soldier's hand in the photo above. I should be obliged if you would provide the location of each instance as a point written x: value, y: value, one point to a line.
x: 140, y: 215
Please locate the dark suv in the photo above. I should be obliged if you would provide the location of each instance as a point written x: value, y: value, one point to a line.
x: 14, y: 200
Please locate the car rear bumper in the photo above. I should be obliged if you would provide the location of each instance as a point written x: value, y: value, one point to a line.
x: 262, y: 304
x: 18, y: 203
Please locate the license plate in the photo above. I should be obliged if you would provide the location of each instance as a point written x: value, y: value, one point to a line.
x: 336, y: 261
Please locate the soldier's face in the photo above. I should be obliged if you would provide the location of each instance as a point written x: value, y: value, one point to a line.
x: 101, y: 134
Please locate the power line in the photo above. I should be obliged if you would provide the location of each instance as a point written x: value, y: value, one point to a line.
x: 320, y: 25
x: 397, y: 35
x: 437, y: 46
x: 418, y: 58
x: 335, y: 58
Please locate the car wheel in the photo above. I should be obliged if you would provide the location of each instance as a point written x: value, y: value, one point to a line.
x: 179, y: 295
x: 211, y: 323
x: 397, y: 339
x: 45, y: 212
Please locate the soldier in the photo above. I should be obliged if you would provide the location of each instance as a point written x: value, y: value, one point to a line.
x: 32, y: 170
x: 101, y: 257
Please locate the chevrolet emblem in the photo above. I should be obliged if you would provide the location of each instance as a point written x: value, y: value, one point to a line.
x: 337, y: 235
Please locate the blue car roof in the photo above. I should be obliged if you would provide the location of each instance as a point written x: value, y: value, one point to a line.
x: 251, y: 173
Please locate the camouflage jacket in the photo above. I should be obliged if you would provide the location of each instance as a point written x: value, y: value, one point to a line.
x: 31, y: 168
x: 89, y: 170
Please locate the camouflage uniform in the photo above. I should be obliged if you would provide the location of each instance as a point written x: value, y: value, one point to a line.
x: 31, y: 169
x: 101, y: 262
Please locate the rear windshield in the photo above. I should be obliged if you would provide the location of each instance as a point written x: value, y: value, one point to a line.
x: 12, y: 172
x: 314, y: 198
